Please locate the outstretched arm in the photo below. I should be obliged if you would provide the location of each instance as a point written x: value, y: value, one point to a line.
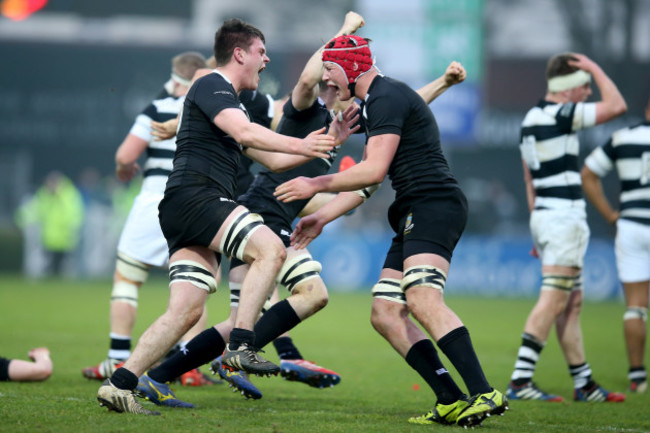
x: 309, y: 227
x: 454, y: 74
x: 371, y: 170
x: 306, y: 90
x: 340, y: 130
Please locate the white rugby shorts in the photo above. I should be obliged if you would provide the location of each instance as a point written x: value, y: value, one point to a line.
x: 142, y: 239
x: 632, y: 251
x: 560, y: 236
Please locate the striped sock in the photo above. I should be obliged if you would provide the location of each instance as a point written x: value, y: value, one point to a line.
x: 637, y: 374
x: 527, y: 358
x: 581, y: 375
x: 120, y: 346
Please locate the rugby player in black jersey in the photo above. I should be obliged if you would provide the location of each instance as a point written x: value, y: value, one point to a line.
x: 428, y: 216
x: 308, y: 109
x: 200, y: 218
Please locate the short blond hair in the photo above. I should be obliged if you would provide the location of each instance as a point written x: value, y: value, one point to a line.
x: 187, y: 63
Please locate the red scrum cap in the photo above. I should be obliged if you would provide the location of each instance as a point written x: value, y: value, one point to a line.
x: 351, y: 53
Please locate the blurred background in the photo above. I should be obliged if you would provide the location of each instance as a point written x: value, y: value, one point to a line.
x: 74, y: 74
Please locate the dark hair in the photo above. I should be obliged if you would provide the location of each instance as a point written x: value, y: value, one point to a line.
x: 234, y: 33
x: 559, y: 65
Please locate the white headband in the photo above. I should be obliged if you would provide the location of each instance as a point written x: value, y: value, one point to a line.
x: 569, y: 81
x: 181, y: 80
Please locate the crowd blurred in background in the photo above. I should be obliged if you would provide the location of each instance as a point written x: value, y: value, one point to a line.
x: 76, y: 73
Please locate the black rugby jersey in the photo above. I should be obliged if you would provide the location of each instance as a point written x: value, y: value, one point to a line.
x: 419, y: 167
x: 206, y: 155
x: 259, y: 198
x: 260, y: 110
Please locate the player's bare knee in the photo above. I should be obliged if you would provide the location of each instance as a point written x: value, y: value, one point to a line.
x: 314, y: 291
x: 378, y: 319
x: 274, y: 251
x: 574, y: 306
x: 185, y: 314
x: 387, y: 305
x: 319, y: 300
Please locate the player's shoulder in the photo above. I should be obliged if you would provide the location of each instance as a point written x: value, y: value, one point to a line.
x: 214, y: 79
x: 638, y: 133
x: 389, y: 90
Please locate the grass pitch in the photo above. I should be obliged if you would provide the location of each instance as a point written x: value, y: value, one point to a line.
x: 378, y: 391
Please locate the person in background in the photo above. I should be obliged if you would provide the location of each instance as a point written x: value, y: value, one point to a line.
x: 558, y: 221
x: 17, y: 370
x: 628, y: 153
x: 142, y: 244
x: 58, y: 211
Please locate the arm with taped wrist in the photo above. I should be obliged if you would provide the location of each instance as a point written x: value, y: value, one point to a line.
x: 367, y: 192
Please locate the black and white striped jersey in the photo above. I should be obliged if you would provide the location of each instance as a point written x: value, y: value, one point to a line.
x: 160, y: 154
x: 550, y: 148
x: 628, y: 150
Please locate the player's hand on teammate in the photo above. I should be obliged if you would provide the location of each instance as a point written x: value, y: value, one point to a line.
x: 307, y: 229
x: 455, y: 73
x: 345, y: 124
x: 316, y: 144
x: 164, y: 130
x: 298, y: 188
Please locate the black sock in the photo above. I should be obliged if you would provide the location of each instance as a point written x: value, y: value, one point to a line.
x: 124, y: 379
x: 286, y: 349
x: 457, y: 345
x: 423, y: 358
x: 276, y: 321
x: 238, y: 336
x: 173, y: 351
x: 199, y: 350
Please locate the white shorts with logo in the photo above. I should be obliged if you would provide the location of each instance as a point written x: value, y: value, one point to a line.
x: 632, y: 251
x: 142, y: 239
x: 561, y: 236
